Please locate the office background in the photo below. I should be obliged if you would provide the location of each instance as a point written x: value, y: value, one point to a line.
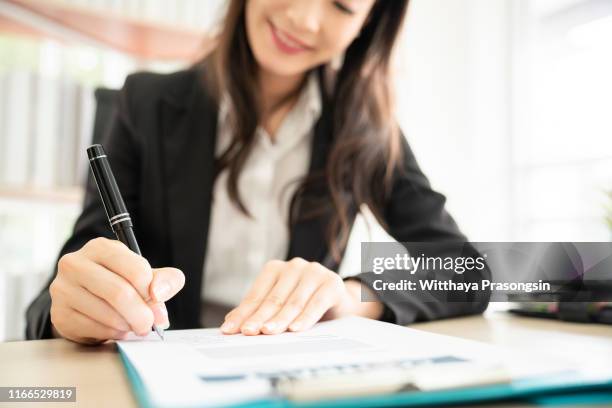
x: 505, y: 102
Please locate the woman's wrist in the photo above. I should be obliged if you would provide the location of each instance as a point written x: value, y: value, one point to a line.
x: 356, y: 306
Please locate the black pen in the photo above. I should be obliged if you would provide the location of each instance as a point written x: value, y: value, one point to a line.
x: 116, y: 211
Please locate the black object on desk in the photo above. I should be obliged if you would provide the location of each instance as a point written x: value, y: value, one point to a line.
x: 585, y: 312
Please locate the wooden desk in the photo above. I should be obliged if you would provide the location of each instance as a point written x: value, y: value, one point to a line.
x: 100, y: 379
x: 576, y: 342
x: 96, y: 372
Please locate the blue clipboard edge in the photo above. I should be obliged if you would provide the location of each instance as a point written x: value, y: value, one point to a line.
x: 142, y: 396
x: 566, y: 385
x: 138, y: 388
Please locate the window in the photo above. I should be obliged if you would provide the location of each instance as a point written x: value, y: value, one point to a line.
x: 563, y: 120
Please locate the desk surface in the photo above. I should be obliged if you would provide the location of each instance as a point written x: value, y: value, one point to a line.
x: 99, y: 377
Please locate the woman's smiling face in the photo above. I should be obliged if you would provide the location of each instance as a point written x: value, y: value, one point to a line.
x: 289, y: 37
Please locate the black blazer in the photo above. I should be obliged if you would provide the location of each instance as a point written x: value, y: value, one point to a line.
x: 161, y: 146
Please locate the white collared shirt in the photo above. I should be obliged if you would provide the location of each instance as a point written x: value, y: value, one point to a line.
x: 239, y: 246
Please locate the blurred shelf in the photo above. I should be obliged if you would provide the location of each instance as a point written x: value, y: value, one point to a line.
x: 11, y: 26
x: 65, y: 195
x: 141, y: 39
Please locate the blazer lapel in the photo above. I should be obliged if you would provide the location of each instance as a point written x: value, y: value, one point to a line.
x: 189, y: 137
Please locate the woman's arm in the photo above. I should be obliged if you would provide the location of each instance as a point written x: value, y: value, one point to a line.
x: 294, y: 295
x: 416, y: 213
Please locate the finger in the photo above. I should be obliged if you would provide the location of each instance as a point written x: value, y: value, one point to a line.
x: 322, y: 300
x: 262, y: 286
x: 166, y: 283
x: 160, y: 315
x: 118, y: 258
x: 274, y: 301
x: 92, y: 306
x: 310, y: 282
x: 85, y: 330
x: 119, y: 293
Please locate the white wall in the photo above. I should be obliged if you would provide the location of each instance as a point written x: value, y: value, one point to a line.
x: 454, y: 106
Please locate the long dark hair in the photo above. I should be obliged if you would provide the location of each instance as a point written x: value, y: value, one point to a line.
x: 365, y: 147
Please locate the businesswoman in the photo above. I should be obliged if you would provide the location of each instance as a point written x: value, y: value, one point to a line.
x: 245, y: 173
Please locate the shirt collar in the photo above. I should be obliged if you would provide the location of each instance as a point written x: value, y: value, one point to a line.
x: 312, y: 95
x: 309, y: 102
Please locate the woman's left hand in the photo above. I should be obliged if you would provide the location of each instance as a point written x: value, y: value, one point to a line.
x: 295, y: 295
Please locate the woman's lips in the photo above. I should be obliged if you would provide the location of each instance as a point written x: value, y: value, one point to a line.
x: 286, y: 43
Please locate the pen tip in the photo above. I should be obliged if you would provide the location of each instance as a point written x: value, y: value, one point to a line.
x: 159, y: 331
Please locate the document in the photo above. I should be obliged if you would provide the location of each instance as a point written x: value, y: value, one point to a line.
x: 205, y: 367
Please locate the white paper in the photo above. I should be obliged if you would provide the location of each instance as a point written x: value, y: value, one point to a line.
x: 187, y: 368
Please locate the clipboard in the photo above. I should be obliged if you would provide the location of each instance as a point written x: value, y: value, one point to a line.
x: 568, y: 388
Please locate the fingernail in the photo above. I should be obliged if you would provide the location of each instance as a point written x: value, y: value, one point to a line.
x: 160, y: 314
x: 250, y: 327
x: 161, y: 290
x: 295, y: 326
x: 227, y: 326
x: 270, y: 326
x: 165, y: 326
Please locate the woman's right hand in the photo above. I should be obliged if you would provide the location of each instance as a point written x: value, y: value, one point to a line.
x: 104, y: 290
